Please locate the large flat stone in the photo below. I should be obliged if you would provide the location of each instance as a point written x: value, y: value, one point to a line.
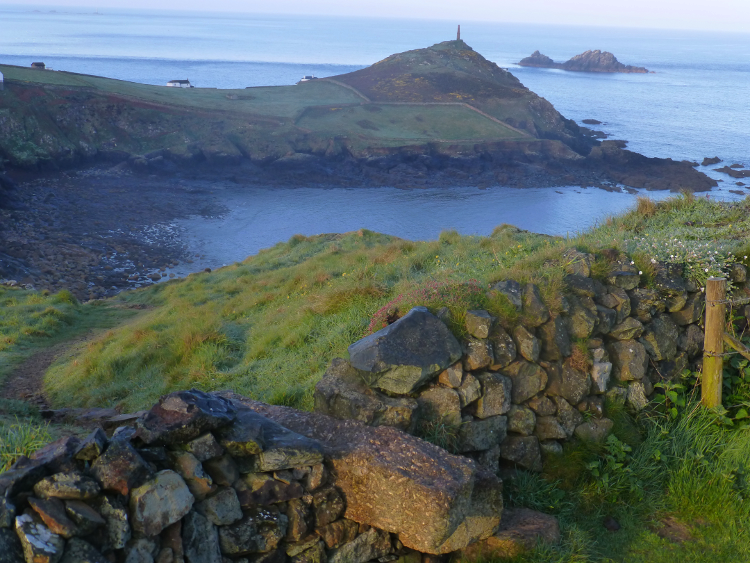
x: 406, y: 354
x: 159, y: 502
x: 394, y: 481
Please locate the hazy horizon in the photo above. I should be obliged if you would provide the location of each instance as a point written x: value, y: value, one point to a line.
x: 723, y: 15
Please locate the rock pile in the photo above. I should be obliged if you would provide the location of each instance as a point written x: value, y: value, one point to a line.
x: 512, y: 395
x: 205, y: 478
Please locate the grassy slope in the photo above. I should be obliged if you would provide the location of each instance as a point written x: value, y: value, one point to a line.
x: 269, y: 326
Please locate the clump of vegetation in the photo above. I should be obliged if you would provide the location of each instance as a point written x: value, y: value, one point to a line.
x: 25, y: 314
x: 20, y: 438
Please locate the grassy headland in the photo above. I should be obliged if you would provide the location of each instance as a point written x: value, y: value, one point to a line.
x: 269, y: 326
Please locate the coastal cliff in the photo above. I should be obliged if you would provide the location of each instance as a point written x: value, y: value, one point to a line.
x: 589, y: 61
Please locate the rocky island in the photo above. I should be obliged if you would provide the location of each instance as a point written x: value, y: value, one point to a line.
x: 590, y: 61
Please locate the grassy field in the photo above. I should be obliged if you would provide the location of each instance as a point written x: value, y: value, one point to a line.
x: 269, y: 326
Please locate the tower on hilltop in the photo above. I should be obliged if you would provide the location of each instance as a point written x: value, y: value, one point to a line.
x: 458, y: 35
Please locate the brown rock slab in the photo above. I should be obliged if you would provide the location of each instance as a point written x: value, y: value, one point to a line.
x: 392, y: 481
x: 52, y: 513
x: 338, y: 532
x: 120, y: 468
x: 39, y: 544
x: 67, y: 486
x: 520, y: 531
x: 85, y: 517
x: 496, y: 395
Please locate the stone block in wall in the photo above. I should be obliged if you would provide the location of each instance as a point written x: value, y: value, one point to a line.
x: 190, y: 469
x: 619, y: 300
x: 314, y: 554
x: 479, y: 323
x: 550, y: 448
x: 637, y: 397
x: 300, y: 520
x: 542, y: 405
x: 73, y: 486
x: 476, y: 435
x: 503, y: 348
x: 440, y: 403
x: 469, y: 391
x: 477, y: 354
x: 607, y: 319
x: 527, y: 380
x: 523, y: 451
x: 204, y: 447
x: 692, y: 311
x: 568, y: 416
x: 549, y: 428
x: 629, y: 329
x: 343, y: 393
x: 593, y: 405
x: 78, y: 550
x: 629, y: 360
x: 337, y: 533
x: 676, y: 302
x: 670, y: 370
x: 578, y: 263
x: 496, y: 395
x: 600, y: 374
x: 11, y: 550
x: 691, y: 341
x: 535, y: 312
x: 160, y: 502
x: 52, y: 513
x: 259, y: 531
x: 223, y: 470
x: 511, y: 290
x: 584, y: 287
x: 555, y: 340
x: 263, y: 490
x: 221, y: 509
x: 405, y: 355
x: 328, y: 506
x: 370, y: 545
x: 182, y: 416
x: 574, y: 384
x: 668, y: 278
x: 527, y: 344
x: 92, y: 446
x: 200, y: 539
x: 391, y: 480
x: 617, y: 395
x: 594, y: 430
x: 624, y: 279
x: 646, y: 303
x: 120, y: 468
x: 452, y: 376
x: 117, y: 531
x: 660, y: 338
x: 521, y: 420
x: 737, y: 273
x: 583, y: 319
x: 39, y: 544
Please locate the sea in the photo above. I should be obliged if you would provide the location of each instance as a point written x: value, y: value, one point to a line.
x: 694, y: 104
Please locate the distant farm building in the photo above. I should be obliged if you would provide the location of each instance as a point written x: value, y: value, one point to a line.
x: 180, y: 84
x: 308, y: 78
x: 39, y: 66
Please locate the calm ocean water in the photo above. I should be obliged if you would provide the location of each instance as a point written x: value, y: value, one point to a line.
x: 694, y: 105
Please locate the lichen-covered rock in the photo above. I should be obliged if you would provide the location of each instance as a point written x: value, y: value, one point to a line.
x: 676, y: 302
x: 338, y: 532
x: 277, y: 447
x: 600, y: 374
x: 578, y: 263
x: 343, y: 393
x: 477, y: 354
x: 629, y: 329
x: 573, y: 384
x: 328, y: 506
x: 528, y: 345
x: 262, y: 489
x: 84, y: 516
x: 528, y: 379
x: 67, y: 486
x: 480, y: 434
x: 260, y: 531
x: 141, y: 550
x: 629, y: 360
x: 624, y: 279
x: 691, y: 312
x: 550, y: 448
x: 223, y: 470
x: 637, y: 397
x: 52, y: 513
x: 555, y: 340
x: 39, y: 544
x: 120, y: 468
x: 584, y: 286
x: 521, y: 420
x: 7, y: 513
x: 440, y: 403
x: 660, y: 338
x: 406, y: 354
x: 117, y: 531
x: 496, y: 395
x: 568, y: 416
x: 452, y: 376
x: 204, y: 447
x: 182, y: 416
x: 479, y: 323
x: 542, y: 405
x: 469, y: 391
x: 581, y: 320
x: 315, y: 554
x: 670, y: 370
x: 594, y: 430
x: 221, y: 509
x: 607, y: 319
x: 200, y: 539
x: 523, y: 451
x: 535, y: 312
x: 92, y: 446
x: 646, y: 303
x: 511, y: 290
x: 190, y: 469
x: 81, y: 551
x: 503, y: 348
x: 373, y: 544
x: 11, y: 550
x: 159, y: 502
x: 548, y: 428
x: 691, y: 341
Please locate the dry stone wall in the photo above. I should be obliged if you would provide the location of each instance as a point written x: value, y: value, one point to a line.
x: 511, y: 396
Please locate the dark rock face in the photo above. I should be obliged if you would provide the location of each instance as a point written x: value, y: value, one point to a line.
x: 403, y: 356
x: 589, y: 61
x: 182, y: 416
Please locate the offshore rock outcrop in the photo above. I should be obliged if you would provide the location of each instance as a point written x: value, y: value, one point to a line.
x: 589, y: 61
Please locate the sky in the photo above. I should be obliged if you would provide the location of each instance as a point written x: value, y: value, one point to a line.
x: 727, y: 15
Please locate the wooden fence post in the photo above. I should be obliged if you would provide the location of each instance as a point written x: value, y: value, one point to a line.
x: 713, y: 345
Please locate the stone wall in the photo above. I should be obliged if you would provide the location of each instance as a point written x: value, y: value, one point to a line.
x: 207, y: 478
x: 512, y: 395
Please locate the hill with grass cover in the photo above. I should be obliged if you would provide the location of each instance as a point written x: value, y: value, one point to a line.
x: 443, y: 115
